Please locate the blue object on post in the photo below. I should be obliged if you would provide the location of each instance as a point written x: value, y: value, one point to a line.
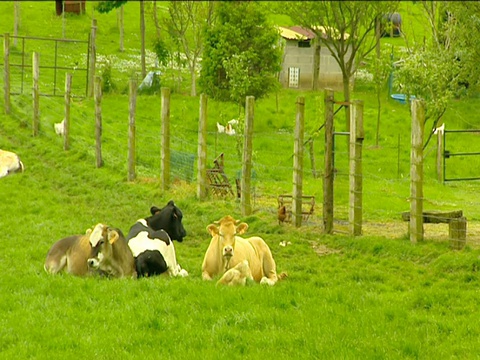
x: 402, y: 98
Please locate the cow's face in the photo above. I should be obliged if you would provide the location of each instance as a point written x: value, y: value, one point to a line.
x: 102, y: 239
x: 169, y: 219
x: 225, y: 230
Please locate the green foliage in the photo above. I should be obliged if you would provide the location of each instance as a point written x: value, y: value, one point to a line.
x: 160, y: 49
x: 104, y: 7
x: 106, y: 74
x: 241, y: 55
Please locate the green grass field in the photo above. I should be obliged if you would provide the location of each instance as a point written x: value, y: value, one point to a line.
x: 376, y: 296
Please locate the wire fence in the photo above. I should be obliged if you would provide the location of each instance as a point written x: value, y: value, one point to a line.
x: 272, y: 158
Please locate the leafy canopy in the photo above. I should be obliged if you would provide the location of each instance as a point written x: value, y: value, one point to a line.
x: 242, y: 55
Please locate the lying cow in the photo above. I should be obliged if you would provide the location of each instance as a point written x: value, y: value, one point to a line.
x: 237, y: 275
x: 150, y: 241
x: 9, y: 163
x: 227, y: 249
x: 100, y: 250
x: 111, y: 254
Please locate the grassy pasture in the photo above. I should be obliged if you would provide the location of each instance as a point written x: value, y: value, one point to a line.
x: 372, y: 297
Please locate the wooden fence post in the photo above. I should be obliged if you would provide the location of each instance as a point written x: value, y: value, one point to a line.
x: 328, y: 176
x: 202, y: 149
x: 416, y: 171
x: 98, y: 121
x: 440, y: 150
x: 131, y: 130
x: 356, y: 181
x: 165, y: 140
x: 298, y: 163
x: 93, y: 57
x: 245, y: 182
x: 16, y: 23
x: 66, y: 126
x: 312, y: 159
x: 35, y: 92
x: 6, y: 71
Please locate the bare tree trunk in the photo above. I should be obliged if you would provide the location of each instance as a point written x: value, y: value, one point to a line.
x: 142, y: 36
x: 377, y: 85
x: 346, y: 96
x: 155, y: 18
x: 120, y: 27
x: 193, y: 75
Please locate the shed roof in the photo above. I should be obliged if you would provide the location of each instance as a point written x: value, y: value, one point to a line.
x: 300, y: 33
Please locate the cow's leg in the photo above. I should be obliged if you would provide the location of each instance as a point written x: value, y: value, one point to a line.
x: 54, y: 266
x: 269, y: 267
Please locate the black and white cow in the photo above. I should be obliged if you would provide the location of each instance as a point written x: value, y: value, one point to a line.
x: 150, y: 240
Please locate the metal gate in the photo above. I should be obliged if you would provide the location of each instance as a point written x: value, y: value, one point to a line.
x: 65, y: 56
x: 448, y: 154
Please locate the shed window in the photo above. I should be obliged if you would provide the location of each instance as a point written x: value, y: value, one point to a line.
x: 304, y: 43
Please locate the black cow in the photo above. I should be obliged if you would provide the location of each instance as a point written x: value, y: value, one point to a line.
x: 150, y: 240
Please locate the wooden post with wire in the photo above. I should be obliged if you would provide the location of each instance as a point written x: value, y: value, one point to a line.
x: 6, y: 72
x: 355, y: 173
x: 245, y: 192
x: 202, y: 149
x: 298, y: 163
x: 416, y: 171
x: 131, y: 129
x: 93, y: 57
x: 36, y: 92
x: 66, y: 124
x: 165, y: 140
x: 98, y: 121
x: 328, y: 175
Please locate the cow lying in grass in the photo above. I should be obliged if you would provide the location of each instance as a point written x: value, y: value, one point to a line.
x: 227, y: 249
x: 9, y: 163
x: 101, y: 250
x: 151, y: 242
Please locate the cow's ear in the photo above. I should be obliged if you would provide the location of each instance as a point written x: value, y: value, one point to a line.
x: 154, y: 210
x: 112, y: 236
x: 242, y: 228
x: 88, y: 232
x: 212, y: 229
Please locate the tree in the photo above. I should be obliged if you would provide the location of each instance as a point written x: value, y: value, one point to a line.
x: 437, y: 70
x: 185, y: 23
x: 242, y: 54
x: 107, y: 6
x: 346, y: 28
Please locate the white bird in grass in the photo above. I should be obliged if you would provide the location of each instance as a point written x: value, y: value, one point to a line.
x: 220, y: 128
x: 60, y: 128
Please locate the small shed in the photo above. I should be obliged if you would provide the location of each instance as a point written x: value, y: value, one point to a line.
x: 70, y: 6
x: 298, y: 61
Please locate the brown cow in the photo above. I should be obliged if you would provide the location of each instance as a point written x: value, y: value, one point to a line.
x: 111, y: 254
x: 227, y: 249
x: 73, y: 253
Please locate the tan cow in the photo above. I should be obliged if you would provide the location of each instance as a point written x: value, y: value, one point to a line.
x: 100, y: 250
x: 227, y: 249
x: 9, y: 163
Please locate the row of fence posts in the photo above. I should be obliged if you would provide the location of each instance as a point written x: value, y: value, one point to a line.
x: 356, y: 138
x: 355, y: 148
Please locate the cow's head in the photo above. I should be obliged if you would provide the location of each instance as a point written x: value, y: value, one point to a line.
x: 169, y: 219
x: 225, y: 230
x: 102, y: 239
